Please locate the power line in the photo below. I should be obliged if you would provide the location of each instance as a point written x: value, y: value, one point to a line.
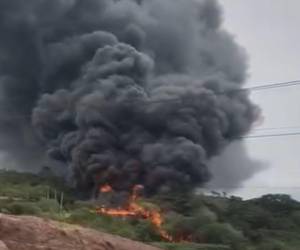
x: 270, y: 135
x: 254, y: 88
x: 177, y: 99
x: 276, y: 128
x: 250, y: 187
x: 226, y: 188
x: 243, y: 137
x: 275, y: 85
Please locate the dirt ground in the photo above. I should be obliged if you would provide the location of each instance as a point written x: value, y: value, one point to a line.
x: 32, y: 233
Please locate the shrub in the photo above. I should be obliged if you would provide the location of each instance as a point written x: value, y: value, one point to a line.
x: 204, y: 216
x: 82, y: 215
x: 177, y: 224
x: 145, y: 231
x: 272, y: 245
x: 51, y: 206
x: 221, y: 233
x: 19, y: 208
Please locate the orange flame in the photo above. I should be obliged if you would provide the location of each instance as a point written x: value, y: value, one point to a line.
x: 133, y: 209
x: 106, y: 189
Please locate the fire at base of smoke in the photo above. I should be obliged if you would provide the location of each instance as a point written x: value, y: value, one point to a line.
x: 133, y: 209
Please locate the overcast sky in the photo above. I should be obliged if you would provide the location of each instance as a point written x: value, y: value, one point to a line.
x: 269, y: 30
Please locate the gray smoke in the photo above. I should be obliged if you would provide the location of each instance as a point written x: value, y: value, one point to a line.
x: 232, y: 168
x: 87, y: 81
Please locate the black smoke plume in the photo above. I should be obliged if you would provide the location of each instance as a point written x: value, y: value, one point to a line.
x: 122, y: 92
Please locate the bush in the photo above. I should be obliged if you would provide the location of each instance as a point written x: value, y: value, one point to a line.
x: 191, y: 246
x: 296, y: 217
x: 177, y: 224
x: 204, y: 216
x: 146, y: 232
x: 221, y: 233
x: 272, y: 245
x: 51, y: 206
x: 124, y: 230
x: 82, y: 215
x: 19, y: 208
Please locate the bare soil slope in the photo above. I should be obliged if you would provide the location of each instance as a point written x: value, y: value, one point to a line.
x: 32, y: 233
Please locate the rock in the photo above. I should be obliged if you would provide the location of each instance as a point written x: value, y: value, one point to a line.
x: 33, y: 233
x: 3, y: 246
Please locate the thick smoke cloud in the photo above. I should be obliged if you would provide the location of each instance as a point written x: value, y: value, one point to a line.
x: 89, y: 78
x: 232, y: 168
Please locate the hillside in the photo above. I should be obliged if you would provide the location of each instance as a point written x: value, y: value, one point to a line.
x: 32, y: 233
x: 216, y: 222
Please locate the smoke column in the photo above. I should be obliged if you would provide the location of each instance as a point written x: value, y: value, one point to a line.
x: 232, y: 168
x: 86, y: 81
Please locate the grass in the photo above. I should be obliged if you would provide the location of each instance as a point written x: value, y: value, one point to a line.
x: 190, y: 246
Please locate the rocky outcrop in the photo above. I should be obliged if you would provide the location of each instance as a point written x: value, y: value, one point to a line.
x: 32, y: 233
x: 3, y: 246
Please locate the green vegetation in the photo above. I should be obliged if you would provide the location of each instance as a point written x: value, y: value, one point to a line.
x: 271, y: 222
x: 191, y: 246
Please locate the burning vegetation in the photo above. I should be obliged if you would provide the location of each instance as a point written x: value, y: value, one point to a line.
x: 106, y: 189
x: 133, y: 209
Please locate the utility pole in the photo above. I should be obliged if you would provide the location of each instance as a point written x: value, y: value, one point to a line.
x: 48, y: 193
x: 61, y: 201
x: 55, y: 194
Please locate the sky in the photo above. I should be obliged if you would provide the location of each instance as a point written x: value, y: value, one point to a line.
x: 269, y: 30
